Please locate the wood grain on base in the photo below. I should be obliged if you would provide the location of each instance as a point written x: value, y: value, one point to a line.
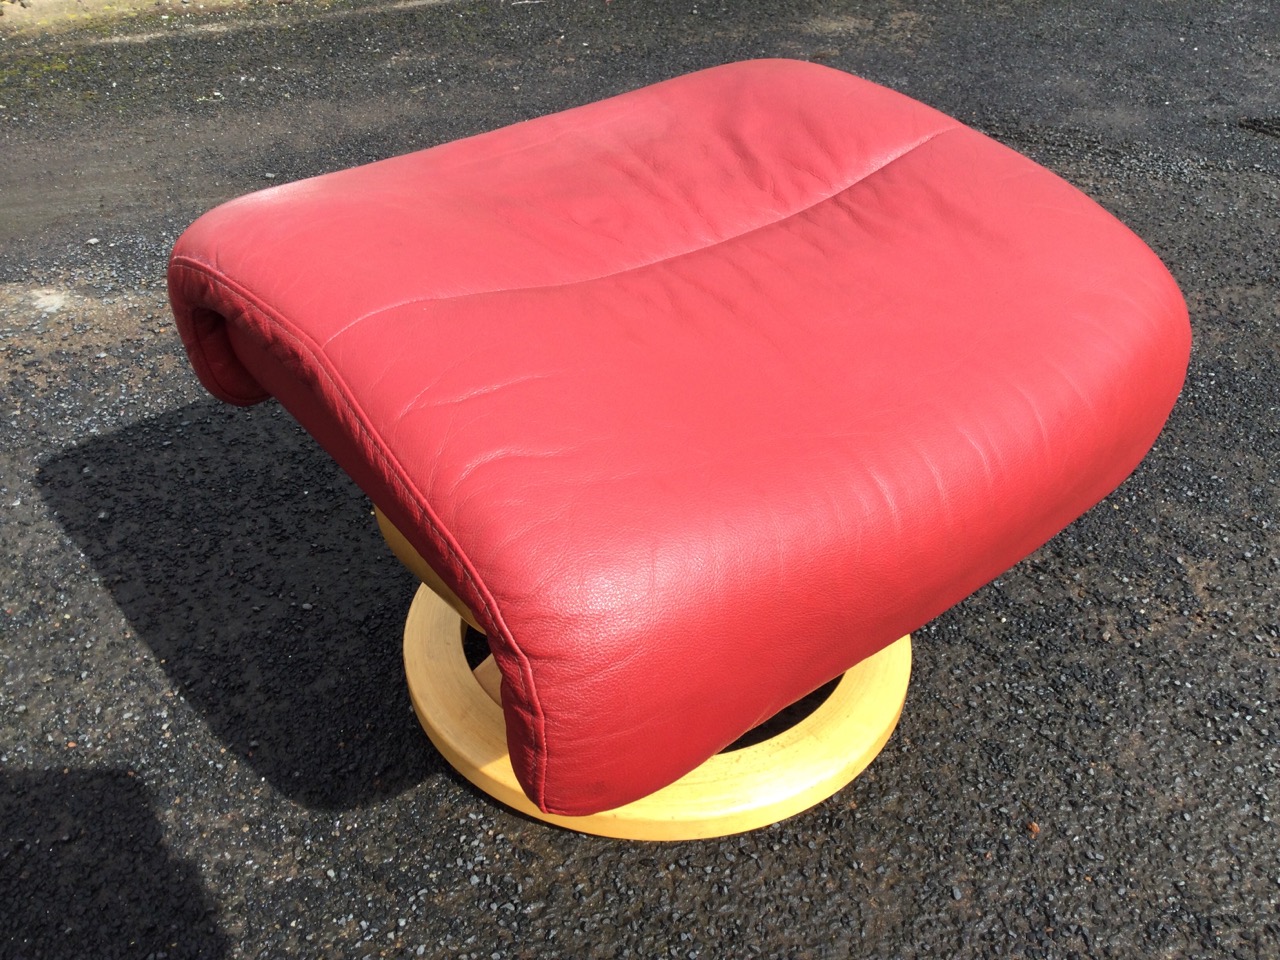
x: 732, y: 792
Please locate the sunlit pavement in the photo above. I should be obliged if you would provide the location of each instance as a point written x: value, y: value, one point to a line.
x: 206, y: 748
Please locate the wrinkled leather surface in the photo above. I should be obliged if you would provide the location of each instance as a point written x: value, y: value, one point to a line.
x: 698, y: 395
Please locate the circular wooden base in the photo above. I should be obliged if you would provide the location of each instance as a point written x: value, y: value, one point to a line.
x: 732, y: 792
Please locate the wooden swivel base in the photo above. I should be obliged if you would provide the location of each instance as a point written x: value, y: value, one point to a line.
x: 732, y: 792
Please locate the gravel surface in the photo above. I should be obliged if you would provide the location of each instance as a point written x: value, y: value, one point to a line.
x: 206, y: 748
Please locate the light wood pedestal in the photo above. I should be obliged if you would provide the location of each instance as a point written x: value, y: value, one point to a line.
x: 734, y: 791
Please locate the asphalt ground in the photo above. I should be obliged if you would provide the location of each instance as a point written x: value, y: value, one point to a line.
x: 206, y: 748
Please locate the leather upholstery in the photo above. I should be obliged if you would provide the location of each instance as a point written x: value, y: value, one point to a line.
x: 697, y: 395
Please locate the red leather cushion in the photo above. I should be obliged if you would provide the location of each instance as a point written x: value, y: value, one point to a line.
x: 698, y: 395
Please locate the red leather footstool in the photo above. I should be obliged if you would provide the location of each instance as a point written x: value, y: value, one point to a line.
x: 692, y: 400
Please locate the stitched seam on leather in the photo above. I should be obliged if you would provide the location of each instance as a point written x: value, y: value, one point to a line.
x: 666, y: 258
x: 308, y: 348
x: 205, y: 366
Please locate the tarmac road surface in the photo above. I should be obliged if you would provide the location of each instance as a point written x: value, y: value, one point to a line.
x: 206, y: 749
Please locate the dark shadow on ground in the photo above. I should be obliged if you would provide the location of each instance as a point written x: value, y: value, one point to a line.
x: 84, y: 873
x: 252, y: 567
